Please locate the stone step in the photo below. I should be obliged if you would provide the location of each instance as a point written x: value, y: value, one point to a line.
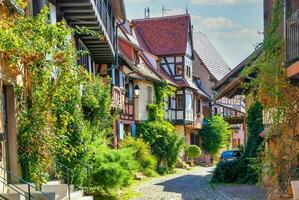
x: 21, y: 188
x: 77, y: 195
x: 87, y: 198
x: 35, y: 196
x: 139, y: 176
x: 56, y: 190
x: 55, y: 182
x: 61, y: 190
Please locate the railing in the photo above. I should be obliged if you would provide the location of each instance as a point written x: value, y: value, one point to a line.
x: 67, y: 174
x: 88, y: 173
x: 107, y: 21
x: 292, y: 38
x: 17, y: 189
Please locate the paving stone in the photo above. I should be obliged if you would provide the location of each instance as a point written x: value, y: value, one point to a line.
x: 194, y: 185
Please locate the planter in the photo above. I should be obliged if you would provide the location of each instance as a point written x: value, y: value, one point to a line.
x: 290, y: 190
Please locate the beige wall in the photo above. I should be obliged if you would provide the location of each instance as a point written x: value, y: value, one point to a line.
x: 199, y: 70
x: 140, y: 103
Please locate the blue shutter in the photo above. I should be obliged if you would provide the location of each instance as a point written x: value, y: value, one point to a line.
x: 133, y: 130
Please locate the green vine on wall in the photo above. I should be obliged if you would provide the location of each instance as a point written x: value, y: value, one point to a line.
x: 279, y: 98
x: 50, y: 116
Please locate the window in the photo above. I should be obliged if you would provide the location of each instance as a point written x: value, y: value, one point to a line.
x: 121, y: 79
x: 193, y: 139
x: 116, y: 77
x: 129, y: 91
x: 149, y: 94
x: 215, y: 111
x: 179, y: 69
x: 171, y: 102
x: 180, y: 102
x: 188, y: 72
x: 198, y: 106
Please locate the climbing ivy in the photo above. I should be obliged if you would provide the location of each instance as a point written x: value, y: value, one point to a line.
x: 50, y: 117
x: 279, y: 98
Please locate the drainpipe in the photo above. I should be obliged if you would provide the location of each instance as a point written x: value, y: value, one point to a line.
x: 116, y: 41
x: 116, y: 31
x: 116, y: 61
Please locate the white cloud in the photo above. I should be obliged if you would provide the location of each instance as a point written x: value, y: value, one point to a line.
x: 169, y: 12
x: 214, y: 23
x: 233, y: 40
x: 219, y: 23
x: 242, y: 33
x: 224, y: 2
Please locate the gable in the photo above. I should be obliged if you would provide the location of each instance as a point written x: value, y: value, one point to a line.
x: 164, y: 36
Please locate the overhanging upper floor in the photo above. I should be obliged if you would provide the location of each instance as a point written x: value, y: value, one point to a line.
x: 96, y: 15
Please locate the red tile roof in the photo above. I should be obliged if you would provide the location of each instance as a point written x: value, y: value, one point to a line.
x: 163, y: 36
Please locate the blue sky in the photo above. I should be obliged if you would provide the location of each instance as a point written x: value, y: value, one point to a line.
x: 233, y: 26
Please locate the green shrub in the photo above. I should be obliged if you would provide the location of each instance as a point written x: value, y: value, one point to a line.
x: 162, y: 170
x: 230, y: 172
x: 215, y: 135
x: 193, y: 151
x: 113, y: 168
x: 142, y: 154
x: 164, y: 142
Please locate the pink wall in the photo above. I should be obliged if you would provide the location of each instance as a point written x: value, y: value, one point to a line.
x: 188, y: 139
x: 238, y: 135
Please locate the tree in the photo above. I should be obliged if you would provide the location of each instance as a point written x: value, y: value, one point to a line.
x: 193, y: 152
x: 163, y: 140
x: 215, y: 135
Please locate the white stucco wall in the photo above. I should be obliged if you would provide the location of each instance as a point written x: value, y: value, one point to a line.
x: 141, y: 102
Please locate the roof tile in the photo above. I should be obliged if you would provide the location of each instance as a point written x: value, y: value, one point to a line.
x: 210, y: 56
x: 163, y: 36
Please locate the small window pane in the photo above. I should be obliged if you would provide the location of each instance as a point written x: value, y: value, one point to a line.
x: 178, y: 69
x: 180, y: 102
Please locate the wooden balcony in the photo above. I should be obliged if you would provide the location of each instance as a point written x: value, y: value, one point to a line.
x: 128, y: 110
x: 96, y: 15
x: 292, y: 46
x: 292, y: 38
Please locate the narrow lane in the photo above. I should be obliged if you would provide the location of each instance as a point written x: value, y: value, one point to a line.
x: 194, y: 185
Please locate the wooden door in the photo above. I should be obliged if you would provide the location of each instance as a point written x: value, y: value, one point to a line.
x: 3, y: 138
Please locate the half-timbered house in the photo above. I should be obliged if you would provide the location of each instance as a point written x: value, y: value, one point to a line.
x: 170, y: 39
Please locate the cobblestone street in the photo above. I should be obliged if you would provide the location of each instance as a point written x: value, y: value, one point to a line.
x: 194, y: 185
